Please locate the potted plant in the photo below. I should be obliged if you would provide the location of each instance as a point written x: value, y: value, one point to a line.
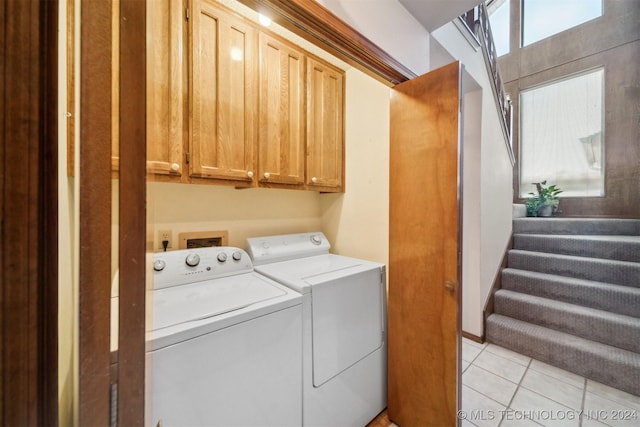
x: 545, y: 201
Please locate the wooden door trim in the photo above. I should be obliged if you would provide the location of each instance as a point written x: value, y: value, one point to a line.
x: 95, y: 212
x: 312, y: 21
x: 132, y: 213
x: 49, y: 211
x: 28, y: 208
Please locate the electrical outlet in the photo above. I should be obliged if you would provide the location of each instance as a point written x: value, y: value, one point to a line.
x: 165, y: 235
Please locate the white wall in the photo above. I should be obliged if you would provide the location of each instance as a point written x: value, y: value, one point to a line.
x: 390, y: 26
x: 357, y: 222
x: 67, y: 243
x: 243, y: 213
x: 471, y: 207
x: 489, y: 231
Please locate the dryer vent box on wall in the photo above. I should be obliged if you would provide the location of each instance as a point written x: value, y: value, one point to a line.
x: 202, y: 239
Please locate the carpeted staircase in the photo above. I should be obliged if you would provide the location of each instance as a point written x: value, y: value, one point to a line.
x: 570, y: 297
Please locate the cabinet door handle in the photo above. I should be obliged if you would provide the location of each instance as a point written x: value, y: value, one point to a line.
x: 449, y: 286
x: 175, y: 167
x: 250, y: 174
x: 314, y: 179
x: 267, y: 175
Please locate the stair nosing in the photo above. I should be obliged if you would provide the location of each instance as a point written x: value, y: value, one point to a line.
x: 559, y: 277
x: 573, y: 257
x: 555, y: 331
x: 564, y: 303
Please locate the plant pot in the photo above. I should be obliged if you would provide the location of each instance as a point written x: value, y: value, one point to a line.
x: 545, y: 210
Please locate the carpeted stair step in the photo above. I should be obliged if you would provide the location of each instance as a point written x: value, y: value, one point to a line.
x: 601, y: 270
x: 616, y: 247
x: 605, y: 226
x: 602, y: 296
x: 600, y: 362
x: 613, y: 329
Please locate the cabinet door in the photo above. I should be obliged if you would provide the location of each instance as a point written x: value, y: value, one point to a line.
x: 165, y: 74
x: 281, y: 113
x: 165, y: 65
x: 222, y: 95
x: 325, y: 127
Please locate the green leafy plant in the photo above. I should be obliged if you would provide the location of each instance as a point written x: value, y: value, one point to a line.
x: 544, y: 196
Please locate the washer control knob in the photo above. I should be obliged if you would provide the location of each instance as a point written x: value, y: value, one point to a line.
x: 222, y: 257
x: 237, y: 256
x: 315, y: 239
x: 159, y: 265
x: 192, y: 260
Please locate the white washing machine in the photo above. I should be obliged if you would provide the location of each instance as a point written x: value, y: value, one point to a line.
x: 344, y: 326
x: 225, y: 345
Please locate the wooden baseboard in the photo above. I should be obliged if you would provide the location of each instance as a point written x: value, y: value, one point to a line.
x: 472, y: 337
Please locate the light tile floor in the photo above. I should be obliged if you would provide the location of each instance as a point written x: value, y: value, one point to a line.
x: 501, y: 388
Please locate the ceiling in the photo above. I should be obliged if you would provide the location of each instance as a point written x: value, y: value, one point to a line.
x: 433, y: 14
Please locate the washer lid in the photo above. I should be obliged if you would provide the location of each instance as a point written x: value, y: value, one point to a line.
x: 179, y: 304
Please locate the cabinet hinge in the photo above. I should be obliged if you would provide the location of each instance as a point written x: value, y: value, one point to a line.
x: 187, y: 157
x: 186, y: 13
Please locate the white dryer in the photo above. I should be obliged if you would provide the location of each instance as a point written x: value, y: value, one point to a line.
x: 225, y: 344
x: 344, y: 326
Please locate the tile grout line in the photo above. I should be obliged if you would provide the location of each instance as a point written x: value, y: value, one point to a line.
x: 517, y: 388
x: 474, y: 359
x: 471, y: 363
x: 584, y: 397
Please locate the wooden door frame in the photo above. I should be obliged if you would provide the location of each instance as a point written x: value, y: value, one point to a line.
x: 94, y: 406
x: 29, y: 212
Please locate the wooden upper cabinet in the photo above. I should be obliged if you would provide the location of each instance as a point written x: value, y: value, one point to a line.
x: 165, y: 88
x: 281, y: 113
x: 223, y: 96
x: 325, y: 127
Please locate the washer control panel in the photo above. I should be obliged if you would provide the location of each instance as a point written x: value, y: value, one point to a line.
x: 263, y: 250
x: 196, y: 265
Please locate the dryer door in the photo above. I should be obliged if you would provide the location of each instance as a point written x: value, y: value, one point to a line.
x: 347, y: 320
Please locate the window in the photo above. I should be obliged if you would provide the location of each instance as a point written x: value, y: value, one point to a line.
x: 499, y: 12
x: 561, y: 135
x: 544, y: 18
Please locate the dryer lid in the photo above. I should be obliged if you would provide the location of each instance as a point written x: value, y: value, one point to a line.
x: 179, y: 304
